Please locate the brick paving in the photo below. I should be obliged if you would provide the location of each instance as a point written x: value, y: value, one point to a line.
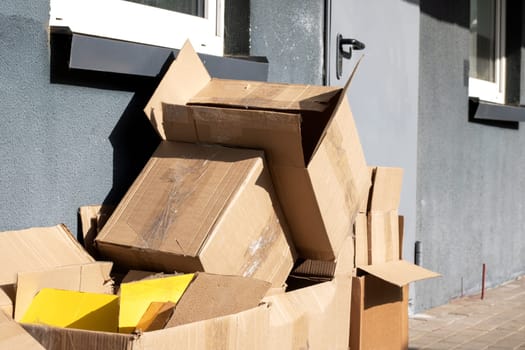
x: 497, y: 322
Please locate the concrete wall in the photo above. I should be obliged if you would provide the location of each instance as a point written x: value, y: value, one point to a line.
x: 63, y: 145
x: 470, y: 202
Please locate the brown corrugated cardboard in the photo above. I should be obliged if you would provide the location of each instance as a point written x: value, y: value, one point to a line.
x: 383, y: 236
x: 316, y: 315
x: 307, y: 132
x: 386, y: 189
x: 7, y: 297
x: 361, y: 239
x: 244, y: 330
x: 210, y: 296
x: 92, y: 219
x: 379, y: 318
x: 187, y: 207
x: 92, y: 277
x: 13, y: 336
x: 156, y: 316
x: 36, y: 249
x: 379, y: 312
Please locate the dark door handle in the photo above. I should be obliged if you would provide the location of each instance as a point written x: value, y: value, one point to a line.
x: 353, y: 44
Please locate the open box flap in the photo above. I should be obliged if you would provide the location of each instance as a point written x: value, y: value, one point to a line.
x: 184, y: 78
x: 38, y: 249
x: 279, y: 134
x: 398, y: 272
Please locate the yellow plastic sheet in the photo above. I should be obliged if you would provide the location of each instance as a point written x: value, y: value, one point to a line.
x: 72, y: 309
x: 135, y: 297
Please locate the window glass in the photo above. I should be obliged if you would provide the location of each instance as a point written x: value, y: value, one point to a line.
x: 483, y: 39
x: 190, y: 7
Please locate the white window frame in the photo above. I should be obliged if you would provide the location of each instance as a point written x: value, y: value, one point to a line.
x: 128, y: 21
x: 487, y: 90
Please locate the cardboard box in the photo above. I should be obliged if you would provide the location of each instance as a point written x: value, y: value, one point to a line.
x: 361, y: 240
x: 201, y: 208
x: 92, y: 219
x: 13, y: 336
x: 35, y: 249
x: 307, y: 132
x: 316, y: 314
x: 244, y: 330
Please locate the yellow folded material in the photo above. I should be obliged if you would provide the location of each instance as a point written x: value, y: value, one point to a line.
x: 72, y: 309
x: 136, y: 297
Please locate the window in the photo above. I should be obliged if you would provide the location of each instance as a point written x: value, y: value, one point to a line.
x: 165, y: 23
x: 487, y: 48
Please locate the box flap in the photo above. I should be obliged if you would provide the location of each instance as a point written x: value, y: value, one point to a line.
x: 398, y: 272
x: 268, y: 96
x: 93, y: 277
x: 209, y: 296
x: 176, y: 200
x: 36, y: 249
x: 184, y: 78
x: 278, y: 134
x: 13, y: 336
x: 386, y: 189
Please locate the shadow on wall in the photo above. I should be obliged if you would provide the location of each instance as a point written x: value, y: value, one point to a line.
x: 133, y: 138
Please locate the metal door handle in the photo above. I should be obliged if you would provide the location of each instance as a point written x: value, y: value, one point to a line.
x: 341, y: 53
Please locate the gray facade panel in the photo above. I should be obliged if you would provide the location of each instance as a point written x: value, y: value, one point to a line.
x: 470, y: 177
x: 58, y: 142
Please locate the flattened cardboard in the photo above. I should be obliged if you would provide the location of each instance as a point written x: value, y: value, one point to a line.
x: 245, y: 330
x: 93, y: 277
x: 36, y: 249
x: 13, y: 336
x: 209, y: 296
x: 92, y: 219
x: 361, y: 239
x: 316, y: 316
x: 399, y: 273
x: 383, y: 236
x: 73, y: 309
x: 307, y: 131
x: 187, y: 206
x: 386, y: 189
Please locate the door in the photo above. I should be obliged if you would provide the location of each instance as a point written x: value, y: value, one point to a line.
x: 384, y: 92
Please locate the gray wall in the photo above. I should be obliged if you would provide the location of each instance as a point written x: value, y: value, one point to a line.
x: 62, y: 145
x: 384, y: 93
x: 471, y: 177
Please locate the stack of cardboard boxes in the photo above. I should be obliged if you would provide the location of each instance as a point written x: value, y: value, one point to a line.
x: 256, y: 185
